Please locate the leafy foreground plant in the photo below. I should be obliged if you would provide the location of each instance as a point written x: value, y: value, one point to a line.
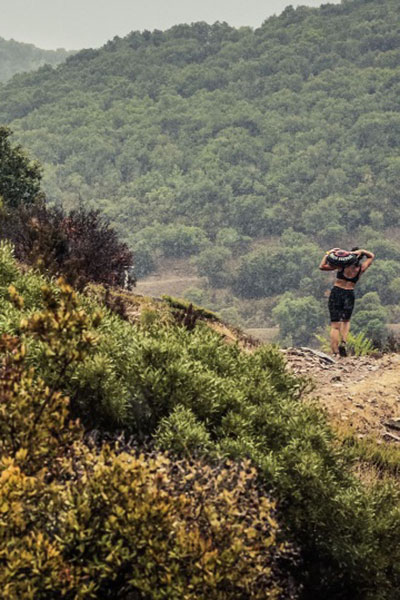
x: 194, y: 394
x: 357, y: 345
x: 80, y: 524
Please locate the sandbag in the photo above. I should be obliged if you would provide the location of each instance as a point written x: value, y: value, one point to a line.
x: 341, y: 258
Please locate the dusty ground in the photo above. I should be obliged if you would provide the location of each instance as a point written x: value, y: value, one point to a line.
x: 173, y: 278
x: 360, y: 393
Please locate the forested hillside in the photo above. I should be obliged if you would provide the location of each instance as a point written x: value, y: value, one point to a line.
x: 250, y: 150
x: 149, y: 451
x: 16, y: 57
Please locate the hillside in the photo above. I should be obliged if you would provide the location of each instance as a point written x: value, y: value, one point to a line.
x: 360, y: 394
x: 17, y: 57
x: 249, y: 150
x: 151, y: 451
x: 255, y: 477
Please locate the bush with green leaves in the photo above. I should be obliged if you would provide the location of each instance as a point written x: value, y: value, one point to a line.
x: 232, y: 239
x: 393, y: 292
x: 356, y: 344
x: 231, y: 315
x: 183, y: 433
x: 272, y: 271
x: 173, y: 241
x: 196, y: 295
x: 111, y: 523
x: 381, y: 280
x: 298, y: 318
x: 383, y: 248
x: 144, y: 258
x: 370, y: 317
x: 213, y: 263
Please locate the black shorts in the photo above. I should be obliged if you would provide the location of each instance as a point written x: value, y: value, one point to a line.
x: 341, y: 304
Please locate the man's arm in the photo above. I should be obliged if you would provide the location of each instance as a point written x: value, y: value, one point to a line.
x: 370, y: 257
x: 324, y: 265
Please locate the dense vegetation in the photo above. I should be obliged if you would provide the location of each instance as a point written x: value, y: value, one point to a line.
x: 213, y: 137
x: 188, y: 392
x: 16, y: 57
x: 80, y: 244
x: 258, y: 497
x: 77, y: 523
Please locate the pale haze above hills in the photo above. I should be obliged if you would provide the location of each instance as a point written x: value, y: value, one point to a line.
x: 17, y: 57
x: 91, y: 23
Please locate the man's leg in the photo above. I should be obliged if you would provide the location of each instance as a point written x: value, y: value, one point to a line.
x: 335, y: 336
x: 344, y: 330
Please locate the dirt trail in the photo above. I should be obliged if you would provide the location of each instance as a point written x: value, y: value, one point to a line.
x: 360, y: 393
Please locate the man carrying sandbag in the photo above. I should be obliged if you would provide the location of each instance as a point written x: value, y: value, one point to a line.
x: 341, y: 299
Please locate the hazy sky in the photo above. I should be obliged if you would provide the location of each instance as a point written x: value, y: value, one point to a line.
x: 75, y: 24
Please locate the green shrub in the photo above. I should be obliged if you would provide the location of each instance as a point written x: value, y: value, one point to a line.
x: 298, y: 318
x: 370, y: 317
x: 268, y: 272
x: 196, y: 295
x: 173, y: 240
x: 144, y: 258
x: 213, y: 264
x: 182, y: 433
x: 109, y: 524
x: 231, y: 238
x: 357, y: 344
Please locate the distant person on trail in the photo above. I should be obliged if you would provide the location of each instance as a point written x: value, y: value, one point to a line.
x: 341, y: 298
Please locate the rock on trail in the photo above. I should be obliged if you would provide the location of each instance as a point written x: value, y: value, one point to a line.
x: 361, y: 393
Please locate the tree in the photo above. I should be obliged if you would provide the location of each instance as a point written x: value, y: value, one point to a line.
x: 385, y: 249
x: 270, y: 272
x: 379, y: 278
x: 19, y: 177
x: 212, y: 263
x: 371, y: 317
x: 231, y: 238
x: 173, y: 241
x: 144, y: 259
x: 298, y: 318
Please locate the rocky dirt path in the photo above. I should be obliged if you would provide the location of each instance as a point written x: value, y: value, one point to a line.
x: 360, y: 393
